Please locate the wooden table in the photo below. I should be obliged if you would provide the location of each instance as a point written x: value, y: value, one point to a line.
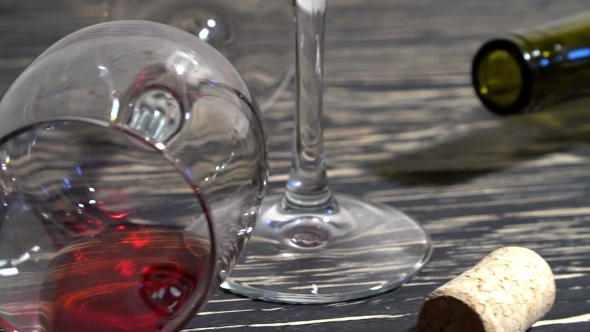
x: 403, y: 127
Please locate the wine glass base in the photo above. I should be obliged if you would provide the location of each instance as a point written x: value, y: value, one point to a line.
x: 348, y: 252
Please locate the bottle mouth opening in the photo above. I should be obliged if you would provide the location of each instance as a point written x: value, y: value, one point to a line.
x: 502, y: 78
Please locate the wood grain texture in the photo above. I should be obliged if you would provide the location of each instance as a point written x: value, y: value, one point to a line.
x: 398, y: 96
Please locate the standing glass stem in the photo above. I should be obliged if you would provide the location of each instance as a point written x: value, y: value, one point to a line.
x: 308, y: 185
x: 309, y: 229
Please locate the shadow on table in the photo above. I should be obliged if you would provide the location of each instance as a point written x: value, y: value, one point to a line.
x: 514, y: 140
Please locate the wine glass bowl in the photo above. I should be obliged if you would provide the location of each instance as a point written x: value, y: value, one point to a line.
x: 133, y: 164
x: 254, y: 35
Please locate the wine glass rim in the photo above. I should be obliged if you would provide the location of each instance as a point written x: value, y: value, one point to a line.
x: 177, y: 164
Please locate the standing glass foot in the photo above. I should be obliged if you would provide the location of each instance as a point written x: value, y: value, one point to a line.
x: 346, y: 251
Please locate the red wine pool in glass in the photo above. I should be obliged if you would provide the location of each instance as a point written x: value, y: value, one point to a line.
x: 132, y: 278
x: 117, y: 275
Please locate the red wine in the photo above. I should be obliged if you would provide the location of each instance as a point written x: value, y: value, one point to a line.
x: 100, y: 225
x: 130, y: 278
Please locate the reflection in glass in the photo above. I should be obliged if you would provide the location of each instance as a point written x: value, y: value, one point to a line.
x: 254, y: 35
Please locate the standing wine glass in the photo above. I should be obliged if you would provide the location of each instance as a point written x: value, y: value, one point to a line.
x: 310, y: 245
x: 132, y: 167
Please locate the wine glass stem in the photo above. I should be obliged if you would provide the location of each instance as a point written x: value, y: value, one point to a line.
x: 308, y: 185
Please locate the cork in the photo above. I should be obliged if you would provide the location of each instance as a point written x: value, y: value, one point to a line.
x: 507, y: 291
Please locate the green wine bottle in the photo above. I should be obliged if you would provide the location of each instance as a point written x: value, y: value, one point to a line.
x: 531, y: 69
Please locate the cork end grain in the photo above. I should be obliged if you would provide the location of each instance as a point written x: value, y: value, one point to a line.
x: 448, y: 314
x: 507, y: 291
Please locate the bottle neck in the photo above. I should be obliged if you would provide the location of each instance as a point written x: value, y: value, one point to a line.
x: 559, y: 66
x: 549, y: 63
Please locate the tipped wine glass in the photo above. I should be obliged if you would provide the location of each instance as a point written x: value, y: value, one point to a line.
x: 254, y: 35
x: 311, y: 245
x: 132, y: 167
